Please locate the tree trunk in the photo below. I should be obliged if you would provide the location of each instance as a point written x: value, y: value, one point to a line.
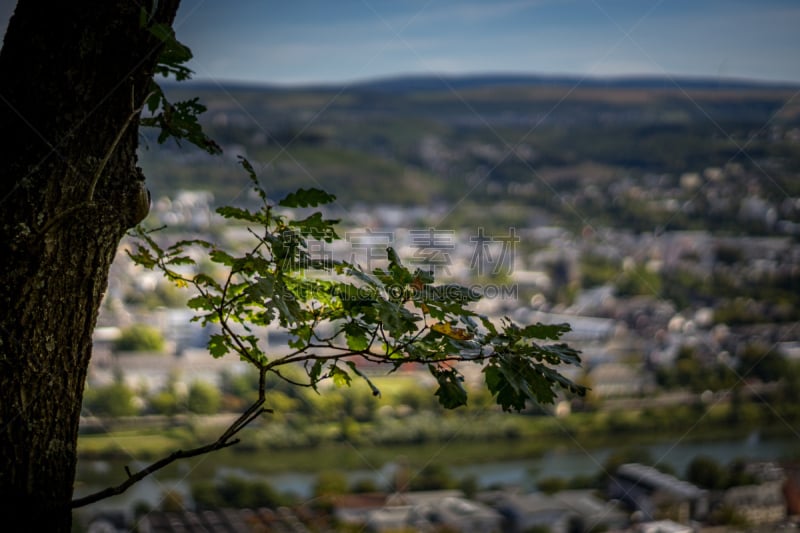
x: 72, y: 75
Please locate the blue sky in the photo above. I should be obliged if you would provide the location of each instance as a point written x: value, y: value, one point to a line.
x: 342, y: 40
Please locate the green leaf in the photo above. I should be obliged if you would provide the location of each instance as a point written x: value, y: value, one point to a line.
x: 198, y: 302
x: 515, y: 379
x: 422, y: 278
x: 206, y: 281
x: 178, y: 120
x: 302, y: 335
x: 218, y: 345
x: 393, y: 257
x: 173, y: 53
x: 222, y: 257
x: 286, y: 303
x: 451, y: 391
x: 143, y: 257
x: 307, y: 198
x: 248, y: 167
x: 153, y: 102
x: 262, y: 288
x: 399, y: 275
x: 340, y: 377
x: 396, y: 319
x: 251, y: 173
x: 317, y: 227
x: 356, y: 337
x: 545, y: 331
x: 489, y: 325
x: 238, y: 214
x: 315, y: 371
x: 180, y: 260
x: 565, y: 354
x: 356, y: 301
x: 506, y: 395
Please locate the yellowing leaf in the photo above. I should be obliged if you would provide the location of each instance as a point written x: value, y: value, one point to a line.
x: 459, y: 334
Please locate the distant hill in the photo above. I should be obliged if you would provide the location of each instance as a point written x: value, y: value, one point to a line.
x: 432, y: 83
x: 490, y: 140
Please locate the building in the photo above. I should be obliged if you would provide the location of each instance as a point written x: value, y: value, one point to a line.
x: 758, y: 504
x: 657, y: 495
x: 435, y: 510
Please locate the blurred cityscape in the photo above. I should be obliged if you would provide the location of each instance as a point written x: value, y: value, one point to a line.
x: 661, y: 223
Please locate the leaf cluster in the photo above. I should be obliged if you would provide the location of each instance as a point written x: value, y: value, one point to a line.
x: 177, y: 120
x: 341, y: 319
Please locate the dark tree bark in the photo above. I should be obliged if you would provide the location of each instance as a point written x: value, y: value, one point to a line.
x: 72, y: 76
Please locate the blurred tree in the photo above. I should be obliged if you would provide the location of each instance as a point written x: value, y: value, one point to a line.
x: 165, y: 402
x: 551, y: 485
x: 203, y: 399
x: 330, y: 483
x: 738, y: 474
x: 363, y: 485
x: 433, y: 476
x: 468, y: 485
x: 762, y: 361
x: 638, y: 281
x: 690, y: 372
x: 116, y: 399
x: 728, y: 515
x: 139, y: 338
x: 706, y: 472
x: 235, y: 492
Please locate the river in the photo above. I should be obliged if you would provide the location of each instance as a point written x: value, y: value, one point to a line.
x: 564, y: 462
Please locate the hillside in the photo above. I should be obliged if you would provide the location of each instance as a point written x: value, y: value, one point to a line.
x: 473, y: 141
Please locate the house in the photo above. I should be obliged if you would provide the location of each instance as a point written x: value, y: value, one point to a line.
x: 355, y: 509
x: 243, y: 520
x: 398, y: 518
x: 563, y: 512
x: 758, y: 504
x: 525, y: 512
x: 436, y: 510
x: 663, y: 526
x: 154, y: 371
x: 655, y: 494
x: 460, y: 514
x: 417, y: 511
x: 594, y: 512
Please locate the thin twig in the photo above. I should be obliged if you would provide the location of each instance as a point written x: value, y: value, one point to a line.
x: 291, y: 381
x: 141, y: 474
x: 224, y: 441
